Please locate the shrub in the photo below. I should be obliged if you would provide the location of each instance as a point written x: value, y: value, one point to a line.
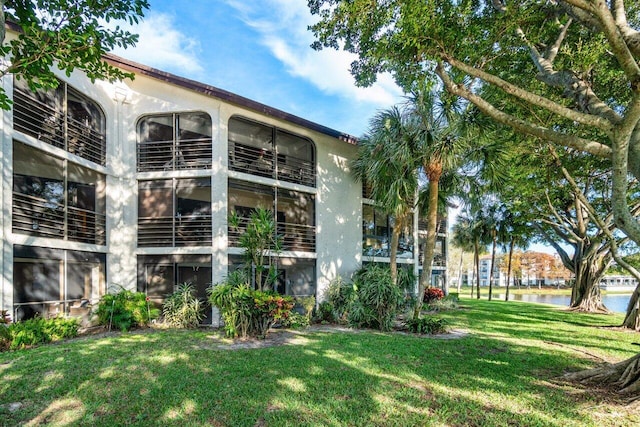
x: 40, y: 331
x: 308, y: 304
x: 5, y: 335
x: 247, y: 312
x: 377, y: 299
x: 341, y: 295
x: 326, y: 312
x: 183, y: 309
x: 432, y: 295
x: 125, y: 310
x: 269, y: 307
x: 450, y: 302
x: 295, y: 321
x: 427, y: 325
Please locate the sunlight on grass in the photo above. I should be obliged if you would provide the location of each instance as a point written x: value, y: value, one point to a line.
x: 504, y: 372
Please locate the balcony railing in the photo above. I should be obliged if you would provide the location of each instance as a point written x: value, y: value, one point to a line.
x: 86, y: 226
x: 165, y: 156
x: 260, y: 162
x: 441, y: 225
x: 47, y: 124
x: 38, y: 217
x: 184, y: 230
x: 295, y: 237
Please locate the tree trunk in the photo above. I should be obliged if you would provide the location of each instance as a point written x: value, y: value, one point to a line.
x: 624, y: 375
x: 460, y: 271
x: 429, y: 245
x: 585, y: 295
x: 493, y: 260
x: 476, y: 260
x: 506, y: 298
x: 632, y: 318
x: 393, y: 251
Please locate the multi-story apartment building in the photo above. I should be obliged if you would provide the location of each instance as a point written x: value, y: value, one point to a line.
x: 131, y: 185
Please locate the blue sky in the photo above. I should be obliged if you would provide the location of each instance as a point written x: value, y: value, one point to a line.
x: 260, y: 50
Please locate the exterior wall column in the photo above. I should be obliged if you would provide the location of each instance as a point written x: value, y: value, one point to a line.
x: 6, y: 172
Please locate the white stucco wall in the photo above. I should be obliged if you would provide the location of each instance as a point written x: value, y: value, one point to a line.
x: 338, y: 196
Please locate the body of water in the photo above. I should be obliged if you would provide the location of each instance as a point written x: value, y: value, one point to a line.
x: 614, y: 302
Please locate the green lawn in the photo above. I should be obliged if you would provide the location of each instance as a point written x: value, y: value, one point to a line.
x: 504, y: 372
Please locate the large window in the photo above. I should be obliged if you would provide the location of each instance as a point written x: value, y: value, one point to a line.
x: 159, y: 275
x: 169, y: 142
x: 294, y: 213
x: 296, y: 277
x: 174, y: 212
x: 263, y: 150
x: 376, y: 234
x: 62, y: 117
x: 49, y: 282
x: 56, y: 198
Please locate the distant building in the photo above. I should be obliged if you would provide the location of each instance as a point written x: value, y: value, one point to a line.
x: 618, y: 283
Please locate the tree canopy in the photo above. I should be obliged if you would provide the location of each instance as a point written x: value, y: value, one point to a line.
x: 565, y: 72
x: 67, y: 34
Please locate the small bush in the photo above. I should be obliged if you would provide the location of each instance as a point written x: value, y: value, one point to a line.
x: 427, y: 325
x: 432, y: 295
x: 377, y: 299
x: 5, y: 335
x: 449, y: 302
x: 341, y: 295
x: 41, y: 331
x: 326, y: 312
x: 295, y: 321
x: 247, y: 312
x: 308, y: 304
x: 183, y: 309
x: 125, y: 310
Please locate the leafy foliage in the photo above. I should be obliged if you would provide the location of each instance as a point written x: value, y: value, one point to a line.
x: 308, y: 304
x: 295, y: 321
x: 377, y: 299
x: 427, y: 325
x: 125, y: 310
x: 432, y: 294
x: 37, y: 331
x: 247, y: 312
x: 69, y: 34
x: 183, y: 309
x: 258, y: 238
x: 340, y: 295
x: 326, y: 312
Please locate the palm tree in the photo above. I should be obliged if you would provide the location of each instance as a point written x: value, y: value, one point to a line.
x: 439, y: 146
x: 387, y: 163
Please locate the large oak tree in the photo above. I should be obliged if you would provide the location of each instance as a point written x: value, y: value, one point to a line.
x: 566, y: 71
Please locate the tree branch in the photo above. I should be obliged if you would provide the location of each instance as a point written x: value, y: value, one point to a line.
x: 571, y: 141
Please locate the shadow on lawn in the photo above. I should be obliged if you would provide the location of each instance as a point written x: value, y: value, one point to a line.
x: 333, y: 379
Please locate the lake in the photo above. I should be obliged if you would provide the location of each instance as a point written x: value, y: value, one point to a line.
x: 614, y: 302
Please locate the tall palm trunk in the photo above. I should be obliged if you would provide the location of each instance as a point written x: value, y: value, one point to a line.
x: 493, y: 260
x: 460, y: 271
x: 476, y: 260
x: 401, y: 220
x: 511, y: 244
x: 430, y: 243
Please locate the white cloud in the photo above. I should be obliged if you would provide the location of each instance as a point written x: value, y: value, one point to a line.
x: 282, y: 26
x: 162, y: 46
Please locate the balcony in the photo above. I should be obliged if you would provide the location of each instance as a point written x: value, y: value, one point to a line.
x: 38, y: 217
x: 164, y: 156
x: 49, y: 125
x: 184, y: 230
x: 441, y: 225
x: 260, y: 162
x: 295, y: 237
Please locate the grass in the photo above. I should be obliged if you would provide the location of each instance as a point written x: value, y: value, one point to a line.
x: 504, y: 372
